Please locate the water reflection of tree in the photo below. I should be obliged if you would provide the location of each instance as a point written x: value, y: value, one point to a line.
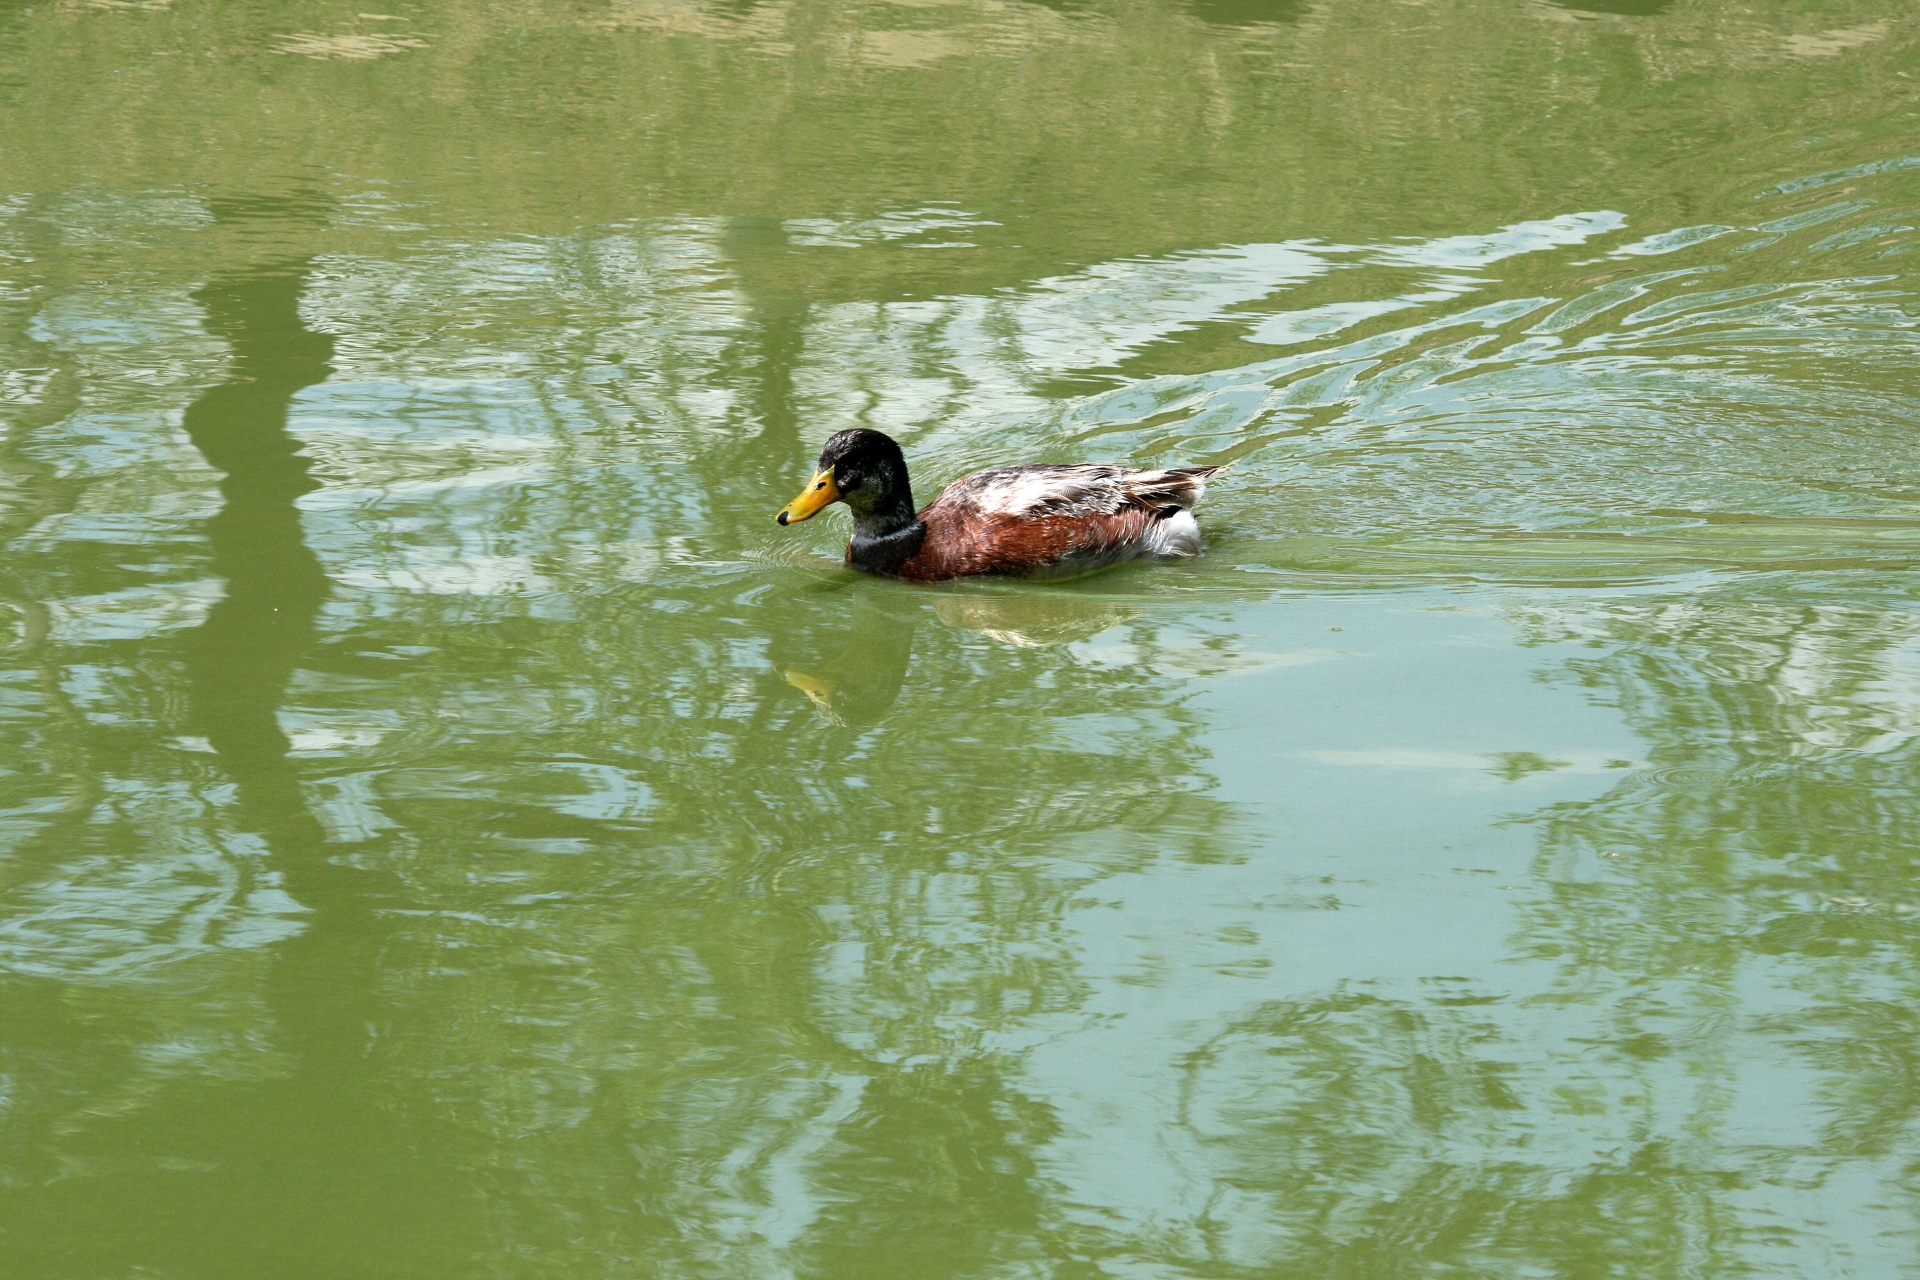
x: 671, y: 864
x: 628, y: 876
x: 1595, y: 1128
x: 30, y: 491
x: 698, y: 109
x: 708, y: 978
x: 240, y: 1175
x: 681, y: 967
x: 1358, y: 1134
x: 1772, y: 834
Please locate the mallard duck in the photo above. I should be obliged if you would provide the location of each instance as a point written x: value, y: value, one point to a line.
x: 1039, y: 520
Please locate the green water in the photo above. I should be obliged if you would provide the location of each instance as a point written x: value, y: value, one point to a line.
x: 448, y: 830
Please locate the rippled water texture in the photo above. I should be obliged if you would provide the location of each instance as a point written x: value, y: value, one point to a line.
x: 447, y: 830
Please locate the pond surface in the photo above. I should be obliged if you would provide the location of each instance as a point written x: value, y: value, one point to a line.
x: 448, y: 830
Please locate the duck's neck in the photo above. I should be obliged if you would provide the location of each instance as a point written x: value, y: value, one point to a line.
x: 882, y: 543
x: 885, y: 531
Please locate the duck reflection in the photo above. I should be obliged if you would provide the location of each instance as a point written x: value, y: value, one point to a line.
x: 1031, y: 620
x: 860, y: 680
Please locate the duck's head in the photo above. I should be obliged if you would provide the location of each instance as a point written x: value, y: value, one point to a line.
x: 864, y: 469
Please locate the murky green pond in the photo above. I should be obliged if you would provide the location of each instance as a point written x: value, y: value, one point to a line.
x: 447, y: 829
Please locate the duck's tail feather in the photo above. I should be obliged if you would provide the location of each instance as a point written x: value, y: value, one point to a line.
x: 1175, y: 489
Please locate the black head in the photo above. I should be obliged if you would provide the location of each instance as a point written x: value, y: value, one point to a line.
x: 868, y: 469
x: 864, y: 469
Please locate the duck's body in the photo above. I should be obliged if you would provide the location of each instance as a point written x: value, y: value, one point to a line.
x: 1048, y: 521
x: 1029, y: 521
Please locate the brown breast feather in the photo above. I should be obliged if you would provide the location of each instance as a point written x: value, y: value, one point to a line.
x: 966, y: 542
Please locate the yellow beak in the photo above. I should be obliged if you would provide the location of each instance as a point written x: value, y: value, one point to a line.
x: 820, y: 492
x: 821, y: 691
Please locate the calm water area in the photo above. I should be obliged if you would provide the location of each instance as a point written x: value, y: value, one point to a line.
x: 449, y: 832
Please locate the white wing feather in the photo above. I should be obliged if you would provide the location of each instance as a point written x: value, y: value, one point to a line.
x: 1042, y: 490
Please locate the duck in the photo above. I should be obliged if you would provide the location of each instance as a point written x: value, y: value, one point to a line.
x: 1040, y: 520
